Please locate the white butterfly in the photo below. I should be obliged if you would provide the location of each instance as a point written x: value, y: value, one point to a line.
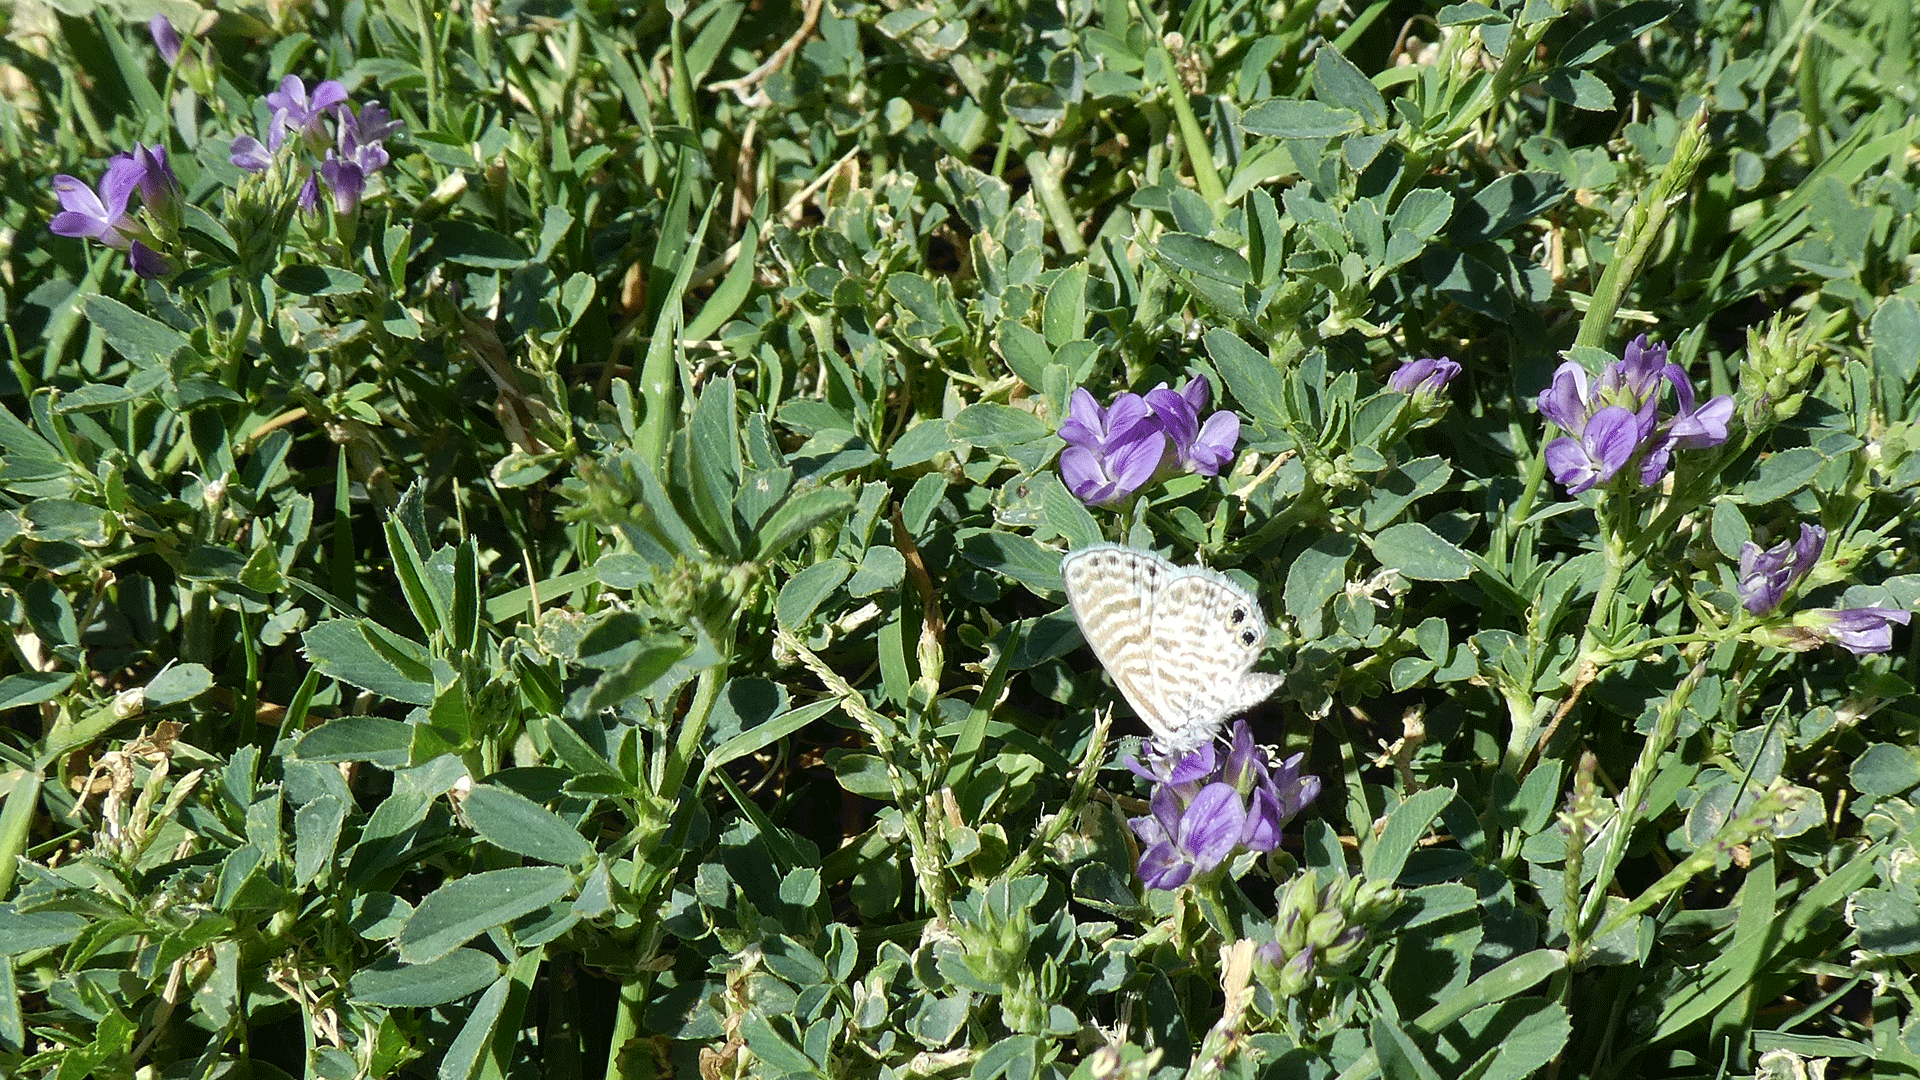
x: 1179, y: 641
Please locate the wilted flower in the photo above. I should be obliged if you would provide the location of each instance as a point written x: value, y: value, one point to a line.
x: 1112, y: 452
x: 1859, y: 630
x: 1616, y: 419
x: 1204, y: 810
x: 1766, y: 575
x: 1423, y: 377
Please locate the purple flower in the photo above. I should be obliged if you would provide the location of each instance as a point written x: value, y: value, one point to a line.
x: 310, y: 193
x: 99, y: 216
x: 1604, y: 446
x: 165, y: 38
x: 1859, y: 630
x: 147, y: 262
x: 1205, y: 809
x: 1633, y: 386
x: 345, y: 180
x: 247, y: 153
x: 1113, y: 452
x: 1426, y: 376
x: 366, y: 129
x: 1766, y: 575
x: 295, y: 111
x: 159, y: 187
x: 1195, y: 447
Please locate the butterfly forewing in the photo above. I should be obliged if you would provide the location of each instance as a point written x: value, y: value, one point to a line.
x: 1111, y: 591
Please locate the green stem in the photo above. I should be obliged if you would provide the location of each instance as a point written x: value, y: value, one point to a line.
x: 1629, y: 806
x: 1045, y: 175
x: 1199, y: 151
x: 1642, y: 229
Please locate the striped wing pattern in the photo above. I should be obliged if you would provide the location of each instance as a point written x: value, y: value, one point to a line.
x: 1179, y: 641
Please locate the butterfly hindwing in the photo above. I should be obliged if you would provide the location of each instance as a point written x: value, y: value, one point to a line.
x: 1207, y: 635
x: 1179, y: 642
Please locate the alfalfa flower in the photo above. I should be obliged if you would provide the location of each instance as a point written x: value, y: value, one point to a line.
x: 1766, y: 574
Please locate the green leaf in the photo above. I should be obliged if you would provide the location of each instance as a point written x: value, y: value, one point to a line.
x: 987, y: 425
x: 801, y: 511
x: 345, y: 649
x: 1199, y: 255
x: 1400, y: 1059
x: 144, y: 342
x: 316, y: 836
x: 464, y: 908
x: 513, y: 822
x: 1885, y: 769
x: 1021, y: 558
x: 1780, y: 475
x: 1337, y: 82
x: 179, y: 682
x: 419, y: 986
x: 1026, y: 354
x: 802, y: 595
x: 1317, y: 574
x: 1288, y: 119
x: 1420, y: 553
x: 1384, y: 855
x: 383, y: 742
x: 1064, y: 317
x: 34, y: 687
x: 1253, y: 378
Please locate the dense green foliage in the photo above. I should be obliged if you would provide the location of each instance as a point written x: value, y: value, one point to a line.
x: 593, y: 607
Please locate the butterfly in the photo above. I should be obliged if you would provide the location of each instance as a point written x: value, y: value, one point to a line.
x: 1179, y: 641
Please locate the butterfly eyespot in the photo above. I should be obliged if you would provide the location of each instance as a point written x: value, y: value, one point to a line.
x: 1239, y: 616
x: 1247, y: 637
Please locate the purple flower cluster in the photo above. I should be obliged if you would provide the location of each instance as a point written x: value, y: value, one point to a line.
x: 1767, y: 573
x: 1616, y: 421
x: 1204, y: 810
x: 1423, y: 378
x: 101, y: 213
x: 353, y: 151
x: 1115, y: 451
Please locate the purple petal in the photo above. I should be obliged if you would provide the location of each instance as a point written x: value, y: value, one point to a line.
x: 1199, y: 394
x: 1080, y: 470
x: 248, y: 154
x: 1211, y: 827
x: 327, y: 95
x: 147, y: 262
x: 1570, y: 466
x: 165, y: 38
x: 1813, y: 539
x: 310, y: 193
x: 1859, y: 630
x: 1130, y: 418
x: 346, y: 182
x: 1612, y: 435
x: 1176, y: 416
x: 1086, y: 422
x: 1565, y: 400
x: 1213, y: 447
x: 1707, y: 427
x: 1133, y: 463
x: 84, y: 215
x: 123, y: 175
